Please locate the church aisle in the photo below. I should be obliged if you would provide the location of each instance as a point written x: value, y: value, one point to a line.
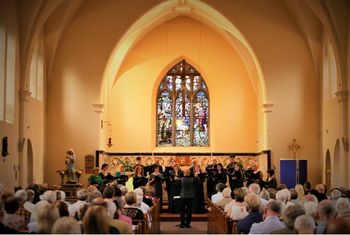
x: 171, y: 228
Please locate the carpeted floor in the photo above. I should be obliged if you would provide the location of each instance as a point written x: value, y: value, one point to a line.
x: 171, y: 228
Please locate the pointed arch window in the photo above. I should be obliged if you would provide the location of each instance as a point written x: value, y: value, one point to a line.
x: 183, y: 108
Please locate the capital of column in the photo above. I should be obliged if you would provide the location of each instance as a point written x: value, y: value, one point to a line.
x: 267, y: 108
x: 342, y: 95
x: 24, y: 94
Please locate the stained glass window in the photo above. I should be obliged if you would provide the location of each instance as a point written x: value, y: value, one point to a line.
x: 183, y: 108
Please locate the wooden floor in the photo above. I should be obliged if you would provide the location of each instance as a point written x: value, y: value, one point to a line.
x: 171, y: 228
x: 167, y: 217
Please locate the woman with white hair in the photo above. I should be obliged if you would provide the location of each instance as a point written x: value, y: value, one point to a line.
x: 283, y: 196
x: 226, y: 193
x: 311, y: 209
x: 342, y: 207
x: 47, y: 216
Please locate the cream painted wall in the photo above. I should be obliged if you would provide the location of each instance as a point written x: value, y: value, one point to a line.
x: 9, y: 169
x: 233, y: 103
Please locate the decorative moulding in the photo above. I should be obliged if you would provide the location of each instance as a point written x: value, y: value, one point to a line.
x: 342, y: 95
x: 24, y: 94
x: 98, y: 108
x: 267, y: 108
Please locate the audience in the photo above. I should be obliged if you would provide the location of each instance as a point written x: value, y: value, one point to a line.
x: 226, y: 193
x: 254, y: 215
x: 4, y: 228
x: 288, y: 218
x: 338, y: 226
x: 238, y: 210
x: 66, y: 225
x: 305, y: 224
x: 82, y: 196
x: 271, y: 220
x: 218, y: 195
x: 47, y: 216
x: 326, y: 212
x: 11, y: 219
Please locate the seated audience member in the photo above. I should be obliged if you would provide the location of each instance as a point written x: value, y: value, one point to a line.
x: 283, y: 196
x: 226, y: 193
x: 272, y: 193
x: 293, y: 195
x: 326, y: 212
x: 96, y: 221
x: 29, y: 203
x: 82, y: 196
x: 322, y: 190
x: 310, y: 198
x: 108, y: 192
x: 238, y: 210
x: 305, y: 224
x: 307, y: 187
x: 11, y: 220
x: 131, y: 209
x: 149, y: 197
x: 311, y: 209
x: 47, y: 215
x: 264, y: 194
x: 3, y: 228
x: 342, y: 207
x: 271, y: 221
x: 338, y: 226
x: 219, y: 188
x: 288, y: 217
x: 123, y: 227
x: 49, y: 196
x: 93, y: 195
x: 22, y: 195
x: 62, y: 208
x: 124, y: 190
x: 255, y: 216
x: 227, y: 207
x: 119, y: 213
x: 143, y: 206
x: 255, y: 188
x: 335, y: 195
x: 301, y: 194
x: 66, y: 225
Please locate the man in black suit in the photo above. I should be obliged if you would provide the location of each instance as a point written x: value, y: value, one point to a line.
x: 186, y: 197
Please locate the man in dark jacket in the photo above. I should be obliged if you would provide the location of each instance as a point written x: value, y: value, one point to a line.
x: 186, y: 196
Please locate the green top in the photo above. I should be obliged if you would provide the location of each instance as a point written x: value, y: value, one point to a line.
x: 95, y: 179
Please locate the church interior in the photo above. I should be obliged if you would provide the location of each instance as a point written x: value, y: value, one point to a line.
x: 189, y: 80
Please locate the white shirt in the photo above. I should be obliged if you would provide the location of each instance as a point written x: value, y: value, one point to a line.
x: 216, y: 197
x: 270, y: 224
x: 73, y: 208
x: 238, y: 211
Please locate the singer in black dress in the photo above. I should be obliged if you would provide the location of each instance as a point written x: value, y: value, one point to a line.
x: 175, y: 189
x: 156, y: 180
x: 198, y: 189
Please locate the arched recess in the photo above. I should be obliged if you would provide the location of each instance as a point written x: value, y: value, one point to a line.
x: 328, y: 169
x: 30, y: 174
x: 338, y: 165
x: 205, y: 14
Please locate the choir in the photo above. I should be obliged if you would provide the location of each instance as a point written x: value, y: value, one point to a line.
x: 170, y: 179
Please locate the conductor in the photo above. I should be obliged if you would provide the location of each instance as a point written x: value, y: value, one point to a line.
x: 186, y: 196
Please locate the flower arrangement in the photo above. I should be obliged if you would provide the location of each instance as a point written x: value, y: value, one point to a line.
x: 62, y: 173
x: 78, y: 173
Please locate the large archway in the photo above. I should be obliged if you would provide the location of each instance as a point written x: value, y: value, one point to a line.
x: 206, y: 15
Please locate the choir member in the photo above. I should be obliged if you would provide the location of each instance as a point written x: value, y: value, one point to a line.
x: 156, y: 180
x: 231, y: 166
x: 139, y: 179
x: 95, y: 179
x: 221, y: 174
x: 236, y: 177
x: 138, y: 163
x: 257, y: 176
x: 193, y: 164
x: 105, y: 175
x: 168, y: 172
x: 175, y: 188
x: 271, y: 181
x: 156, y: 164
x: 211, y: 170
x: 198, y: 202
x: 121, y: 176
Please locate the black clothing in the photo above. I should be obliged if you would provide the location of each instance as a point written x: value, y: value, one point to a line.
x: 106, y: 178
x: 139, y: 181
x: 143, y: 168
x: 212, y: 179
x: 222, y: 177
x: 167, y: 174
x: 122, y: 179
x: 175, y: 189
x: 272, y: 183
x: 156, y: 182
x: 6, y: 230
x: 187, y: 195
x: 198, y: 190
x: 151, y: 168
x: 235, y: 179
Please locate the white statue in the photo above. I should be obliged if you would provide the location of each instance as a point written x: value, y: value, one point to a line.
x: 70, y: 162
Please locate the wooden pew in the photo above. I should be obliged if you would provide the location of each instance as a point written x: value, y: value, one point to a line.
x: 142, y: 226
x: 219, y: 222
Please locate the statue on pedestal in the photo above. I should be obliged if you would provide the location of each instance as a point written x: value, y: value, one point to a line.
x: 70, y: 162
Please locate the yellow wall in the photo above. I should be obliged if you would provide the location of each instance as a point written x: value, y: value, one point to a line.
x: 233, y: 103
